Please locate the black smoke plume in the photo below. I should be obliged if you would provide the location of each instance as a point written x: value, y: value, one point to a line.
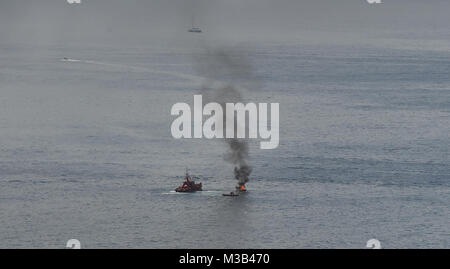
x: 228, y: 73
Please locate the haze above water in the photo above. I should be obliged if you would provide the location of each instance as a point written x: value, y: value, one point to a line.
x: 86, y: 150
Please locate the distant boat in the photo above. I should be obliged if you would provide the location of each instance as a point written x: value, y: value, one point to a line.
x: 195, y: 30
x: 66, y: 59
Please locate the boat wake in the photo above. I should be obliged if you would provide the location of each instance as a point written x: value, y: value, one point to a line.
x: 193, y: 78
x: 196, y: 193
x: 200, y: 80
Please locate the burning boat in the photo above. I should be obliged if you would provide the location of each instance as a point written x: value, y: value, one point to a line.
x: 230, y: 194
x: 239, y: 189
x: 189, y: 185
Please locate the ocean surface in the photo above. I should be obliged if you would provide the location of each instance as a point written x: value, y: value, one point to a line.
x: 86, y: 150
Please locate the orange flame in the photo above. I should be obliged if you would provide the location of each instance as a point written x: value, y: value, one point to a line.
x: 243, y: 188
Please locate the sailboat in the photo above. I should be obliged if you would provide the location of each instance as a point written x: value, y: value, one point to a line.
x: 193, y: 28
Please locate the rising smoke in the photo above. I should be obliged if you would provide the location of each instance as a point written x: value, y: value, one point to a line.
x: 234, y: 73
x: 239, y: 155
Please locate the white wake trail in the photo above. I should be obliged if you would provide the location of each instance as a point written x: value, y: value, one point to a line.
x: 215, y: 84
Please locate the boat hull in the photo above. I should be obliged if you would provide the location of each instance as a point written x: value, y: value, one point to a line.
x: 196, y: 187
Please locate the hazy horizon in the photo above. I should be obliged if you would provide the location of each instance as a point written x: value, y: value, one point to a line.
x: 138, y: 22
